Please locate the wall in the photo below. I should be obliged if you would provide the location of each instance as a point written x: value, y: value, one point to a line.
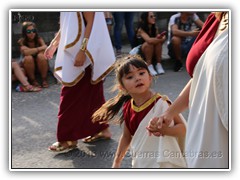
x: 48, y: 24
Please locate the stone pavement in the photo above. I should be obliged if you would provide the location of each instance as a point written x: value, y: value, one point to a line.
x: 34, y: 122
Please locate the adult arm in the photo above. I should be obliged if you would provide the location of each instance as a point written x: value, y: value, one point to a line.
x: 32, y: 51
x: 178, y: 106
x: 53, y: 46
x: 172, y: 113
x: 199, y: 23
x: 180, y: 33
x: 151, y: 40
x: 81, y: 57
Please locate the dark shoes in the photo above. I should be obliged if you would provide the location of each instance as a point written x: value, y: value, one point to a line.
x: 178, y: 65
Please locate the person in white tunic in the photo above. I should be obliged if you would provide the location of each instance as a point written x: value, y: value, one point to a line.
x: 206, y: 95
x: 85, y: 56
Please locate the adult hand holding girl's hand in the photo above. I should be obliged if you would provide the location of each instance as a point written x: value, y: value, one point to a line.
x: 153, y: 127
x: 157, y: 125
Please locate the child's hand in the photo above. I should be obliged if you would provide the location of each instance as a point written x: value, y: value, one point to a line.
x: 153, y: 127
x: 158, y: 125
x: 166, y: 118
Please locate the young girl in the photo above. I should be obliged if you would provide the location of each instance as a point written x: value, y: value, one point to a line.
x: 140, y: 103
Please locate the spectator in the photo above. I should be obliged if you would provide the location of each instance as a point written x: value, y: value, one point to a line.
x: 32, y: 47
x: 119, y: 19
x: 181, y: 36
x: 18, y: 74
x: 150, y: 41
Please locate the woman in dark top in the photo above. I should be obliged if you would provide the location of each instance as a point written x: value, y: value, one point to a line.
x: 32, y: 48
x: 151, y: 42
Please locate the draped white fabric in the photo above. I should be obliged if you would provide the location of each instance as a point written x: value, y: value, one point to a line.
x: 100, y: 50
x: 207, y: 133
x: 156, y: 152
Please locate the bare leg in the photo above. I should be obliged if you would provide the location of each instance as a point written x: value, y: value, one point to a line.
x: 176, y: 43
x: 42, y: 64
x: 158, y: 52
x: 19, y: 75
x: 148, y: 50
x: 29, y: 67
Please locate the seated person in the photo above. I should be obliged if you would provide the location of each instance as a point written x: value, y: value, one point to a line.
x: 32, y: 48
x: 150, y: 42
x: 18, y: 74
x: 181, y: 36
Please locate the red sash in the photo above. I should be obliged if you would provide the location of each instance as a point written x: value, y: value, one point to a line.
x: 201, y: 43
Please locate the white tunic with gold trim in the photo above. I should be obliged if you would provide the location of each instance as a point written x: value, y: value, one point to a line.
x: 207, y: 134
x: 157, y: 152
x: 100, y: 53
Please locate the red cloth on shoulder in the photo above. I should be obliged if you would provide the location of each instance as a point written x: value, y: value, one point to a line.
x: 201, y: 43
x: 132, y: 118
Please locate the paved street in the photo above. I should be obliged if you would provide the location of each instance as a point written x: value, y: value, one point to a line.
x: 34, y: 121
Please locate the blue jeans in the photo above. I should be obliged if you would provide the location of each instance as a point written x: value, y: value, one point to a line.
x: 185, y: 48
x: 119, y: 19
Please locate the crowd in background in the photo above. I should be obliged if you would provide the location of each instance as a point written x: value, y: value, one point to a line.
x: 204, y: 46
x: 143, y: 35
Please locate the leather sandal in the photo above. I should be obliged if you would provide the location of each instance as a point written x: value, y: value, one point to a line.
x: 99, y: 136
x: 45, y: 84
x: 35, y: 83
x: 58, y: 147
x: 30, y: 88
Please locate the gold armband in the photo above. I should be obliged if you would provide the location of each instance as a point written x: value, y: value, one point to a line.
x: 83, y: 46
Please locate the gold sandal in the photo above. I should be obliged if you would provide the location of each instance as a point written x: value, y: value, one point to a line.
x: 99, y: 136
x: 58, y: 147
x: 30, y: 88
x: 35, y: 83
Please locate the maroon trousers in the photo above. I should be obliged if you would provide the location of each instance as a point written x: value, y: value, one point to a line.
x: 77, y: 104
